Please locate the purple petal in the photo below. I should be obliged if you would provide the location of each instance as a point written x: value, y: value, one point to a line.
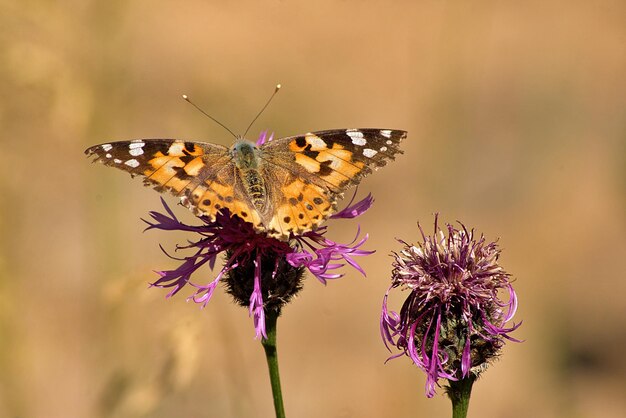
x: 359, y: 208
x: 256, y: 302
x: 466, y: 361
x: 262, y: 137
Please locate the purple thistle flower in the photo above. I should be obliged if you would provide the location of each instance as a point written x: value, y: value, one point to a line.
x: 260, y: 272
x: 453, y: 321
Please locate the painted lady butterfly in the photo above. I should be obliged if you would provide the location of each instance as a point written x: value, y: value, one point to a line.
x: 287, y: 185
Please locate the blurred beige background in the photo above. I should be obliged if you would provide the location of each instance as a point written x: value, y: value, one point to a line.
x: 517, y: 127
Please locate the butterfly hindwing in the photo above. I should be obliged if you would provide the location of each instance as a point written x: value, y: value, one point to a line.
x: 222, y: 190
x: 299, y: 205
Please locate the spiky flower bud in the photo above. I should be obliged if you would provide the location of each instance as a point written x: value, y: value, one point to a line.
x: 452, y: 323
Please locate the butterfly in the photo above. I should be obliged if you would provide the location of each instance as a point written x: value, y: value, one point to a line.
x: 283, y: 186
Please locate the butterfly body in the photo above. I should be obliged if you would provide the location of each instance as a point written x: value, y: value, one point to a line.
x: 285, y: 186
x: 246, y: 159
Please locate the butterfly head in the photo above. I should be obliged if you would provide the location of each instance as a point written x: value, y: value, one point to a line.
x: 245, y: 155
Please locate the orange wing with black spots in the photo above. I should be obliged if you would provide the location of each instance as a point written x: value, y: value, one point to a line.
x: 338, y: 158
x: 314, y: 170
x: 201, y: 174
x: 298, y: 204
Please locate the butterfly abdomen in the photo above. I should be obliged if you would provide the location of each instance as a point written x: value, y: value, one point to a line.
x: 255, y: 186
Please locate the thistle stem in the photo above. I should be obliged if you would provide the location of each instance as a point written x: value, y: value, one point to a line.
x: 269, y: 345
x: 459, y: 393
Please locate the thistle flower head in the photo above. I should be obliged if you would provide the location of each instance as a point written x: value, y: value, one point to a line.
x: 452, y: 322
x: 260, y: 272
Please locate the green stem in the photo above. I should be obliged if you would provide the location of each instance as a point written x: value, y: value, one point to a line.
x: 272, y: 361
x: 459, y: 393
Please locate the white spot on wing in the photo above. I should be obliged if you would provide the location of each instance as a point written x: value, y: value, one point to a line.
x: 135, y: 151
x: 356, y: 136
x: 315, y: 141
x: 107, y: 147
x: 389, y: 142
x: 108, y: 155
x: 176, y: 148
x: 386, y: 133
x: 138, y: 143
x: 132, y: 163
x: 383, y: 149
x: 117, y: 161
x: 369, y: 153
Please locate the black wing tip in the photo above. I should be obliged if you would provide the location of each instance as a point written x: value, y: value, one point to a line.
x: 393, y: 134
x: 398, y: 133
x: 93, y: 150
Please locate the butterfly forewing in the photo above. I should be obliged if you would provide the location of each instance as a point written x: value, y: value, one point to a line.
x: 195, y: 171
x: 337, y: 158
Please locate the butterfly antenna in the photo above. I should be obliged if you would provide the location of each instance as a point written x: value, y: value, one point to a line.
x: 188, y: 100
x: 264, y: 107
